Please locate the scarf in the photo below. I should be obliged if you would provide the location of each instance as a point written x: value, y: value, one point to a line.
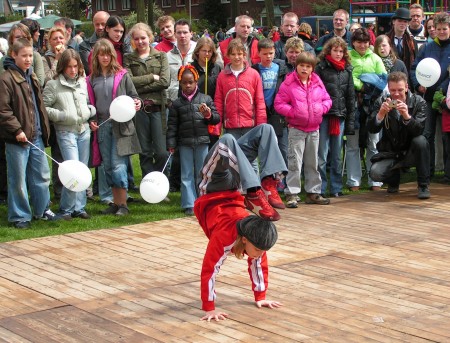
x: 338, y: 65
x: 334, y: 127
x: 388, y: 63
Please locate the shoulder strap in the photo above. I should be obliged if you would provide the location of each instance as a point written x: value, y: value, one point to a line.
x: 49, y: 62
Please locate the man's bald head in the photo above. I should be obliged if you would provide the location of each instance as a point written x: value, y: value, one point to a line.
x: 99, y: 20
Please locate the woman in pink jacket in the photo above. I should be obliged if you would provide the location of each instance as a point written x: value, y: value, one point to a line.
x: 303, y: 100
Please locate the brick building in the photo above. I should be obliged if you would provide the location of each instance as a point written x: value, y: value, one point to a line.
x: 254, y: 8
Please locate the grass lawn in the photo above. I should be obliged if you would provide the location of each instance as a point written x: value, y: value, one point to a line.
x: 141, y: 212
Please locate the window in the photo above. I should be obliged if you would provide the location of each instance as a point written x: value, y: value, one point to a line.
x: 111, y: 5
x: 126, y: 4
x: 99, y: 5
x: 166, y: 3
x: 181, y: 3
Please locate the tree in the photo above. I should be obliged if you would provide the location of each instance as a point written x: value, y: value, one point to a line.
x: 150, y: 14
x: 270, y: 12
x: 74, y: 9
x: 327, y: 7
x: 235, y: 10
x: 140, y: 10
x: 213, y: 11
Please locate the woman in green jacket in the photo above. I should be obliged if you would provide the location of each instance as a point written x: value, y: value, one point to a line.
x: 149, y: 71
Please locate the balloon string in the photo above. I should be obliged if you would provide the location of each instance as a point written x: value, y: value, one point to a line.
x: 104, y: 121
x: 42, y: 151
x: 170, y: 155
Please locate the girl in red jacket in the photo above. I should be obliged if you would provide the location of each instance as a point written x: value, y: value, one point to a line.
x: 221, y: 211
x: 239, y: 94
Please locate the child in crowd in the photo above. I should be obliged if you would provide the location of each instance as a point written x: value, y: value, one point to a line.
x: 335, y: 71
x: 66, y: 101
x: 116, y: 140
x: 239, y: 94
x: 294, y: 47
x: 272, y: 74
x: 23, y: 119
x: 303, y: 100
x: 221, y: 212
x: 187, y: 130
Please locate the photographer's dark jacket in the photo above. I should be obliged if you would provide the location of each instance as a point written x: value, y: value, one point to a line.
x: 340, y: 87
x: 397, y: 134
x: 186, y: 125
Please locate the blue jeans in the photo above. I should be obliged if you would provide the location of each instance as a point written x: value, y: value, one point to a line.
x: 28, y: 174
x: 73, y: 146
x: 191, y: 159
x: 283, y: 144
x: 153, y: 141
x: 238, y: 133
x: 333, y: 145
x: 353, y: 159
x: 115, y: 165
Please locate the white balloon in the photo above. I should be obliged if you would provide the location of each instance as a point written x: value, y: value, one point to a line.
x: 122, y: 109
x: 154, y: 187
x: 74, y: 175
x: 428, y: 72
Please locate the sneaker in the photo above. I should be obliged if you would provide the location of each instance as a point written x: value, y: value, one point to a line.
x: 258, y: 204
x: 22, y: 224
x: 48, y: 215
x: 82, y: 215
x: 122, y: 211
x: 189, y: 211
x: 317, y: 199
x: 111, y: 209
x: 337, y: 195
x: 269, y: 186
x: 291, y: 201
x: 424, y: 192
x: 392, y: 189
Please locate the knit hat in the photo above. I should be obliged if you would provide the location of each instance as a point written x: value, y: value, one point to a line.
x: 402, y: 13
x: 260, y: 232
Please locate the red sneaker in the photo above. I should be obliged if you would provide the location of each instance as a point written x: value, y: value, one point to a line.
x: 258, y: 204
x: 269, y: 186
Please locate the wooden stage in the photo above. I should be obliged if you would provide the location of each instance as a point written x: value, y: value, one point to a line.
x: 367, y: 268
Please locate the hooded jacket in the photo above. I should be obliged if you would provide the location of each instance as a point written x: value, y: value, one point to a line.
x: 186, y: 125
x: 17, y: 109
x: 67, y: 104
x: 303, y: 106
x: 240, y: 100
x: 217, y: 214
x: 124, y: 133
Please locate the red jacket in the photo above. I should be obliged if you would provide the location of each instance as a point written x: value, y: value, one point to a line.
x: 240, y: 100
x: 217, y: 214
x: 254, y: 56
x: 165, y: 45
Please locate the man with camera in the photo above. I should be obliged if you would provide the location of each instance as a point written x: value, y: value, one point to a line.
x: 401, y: 115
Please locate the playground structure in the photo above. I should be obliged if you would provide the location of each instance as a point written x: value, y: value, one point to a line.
x: 382, y: 10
